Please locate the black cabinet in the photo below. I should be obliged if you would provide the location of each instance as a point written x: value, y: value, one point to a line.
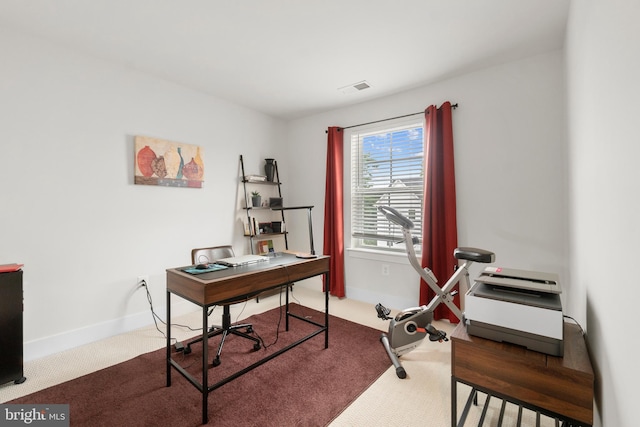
x: 11, y: 345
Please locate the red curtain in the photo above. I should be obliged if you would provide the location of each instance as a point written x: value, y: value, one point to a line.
x: 440, y: 231
x: 333, y: 210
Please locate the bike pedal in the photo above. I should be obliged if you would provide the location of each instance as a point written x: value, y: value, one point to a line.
x: 383, y: 312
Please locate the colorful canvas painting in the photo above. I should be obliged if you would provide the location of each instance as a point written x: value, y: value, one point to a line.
x: 167, y: 163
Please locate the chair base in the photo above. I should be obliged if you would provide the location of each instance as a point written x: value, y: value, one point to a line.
x: 225, y: 330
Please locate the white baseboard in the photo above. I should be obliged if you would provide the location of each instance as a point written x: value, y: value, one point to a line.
x: 65, y: 341
x: 392, y: 302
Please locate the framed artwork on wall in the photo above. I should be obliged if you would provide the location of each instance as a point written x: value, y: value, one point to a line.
x: 167, y: 163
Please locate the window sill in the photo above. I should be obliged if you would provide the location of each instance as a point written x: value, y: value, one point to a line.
x: 372, y: 254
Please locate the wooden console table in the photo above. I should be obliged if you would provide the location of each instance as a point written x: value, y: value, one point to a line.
x: 559, y: 387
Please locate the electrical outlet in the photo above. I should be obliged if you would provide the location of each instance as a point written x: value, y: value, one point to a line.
x: 385, y: 269
x: 140, y: 281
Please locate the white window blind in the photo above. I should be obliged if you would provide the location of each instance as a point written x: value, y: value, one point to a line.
x: 387, y: 169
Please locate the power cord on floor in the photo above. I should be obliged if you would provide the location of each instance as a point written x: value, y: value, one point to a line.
x: 264, y: 345
x: 576, y: 322
x: 157, y: 318
x: 304, y: 311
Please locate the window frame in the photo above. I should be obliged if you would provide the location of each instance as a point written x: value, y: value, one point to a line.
x: 394, y: 236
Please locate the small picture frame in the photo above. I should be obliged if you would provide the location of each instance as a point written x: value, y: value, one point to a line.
x: 265, y: 247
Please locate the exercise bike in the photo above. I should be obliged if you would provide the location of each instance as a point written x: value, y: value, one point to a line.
x: 410, y: 326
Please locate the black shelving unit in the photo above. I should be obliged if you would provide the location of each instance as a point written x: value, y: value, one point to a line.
x: 251, y: 219
x: 249, y: 208
x: 11, y: 335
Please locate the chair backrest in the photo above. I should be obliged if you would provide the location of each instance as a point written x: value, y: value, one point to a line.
x: 211, y: 255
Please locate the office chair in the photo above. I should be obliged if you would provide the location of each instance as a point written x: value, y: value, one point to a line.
x: 208, y: 256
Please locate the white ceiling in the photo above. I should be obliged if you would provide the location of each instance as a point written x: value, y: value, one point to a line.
x: 287, y: 58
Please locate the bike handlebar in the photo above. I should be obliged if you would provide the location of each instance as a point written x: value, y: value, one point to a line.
x: 396, y: 217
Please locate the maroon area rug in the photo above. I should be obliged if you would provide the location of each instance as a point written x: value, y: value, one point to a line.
x: 306, y: 386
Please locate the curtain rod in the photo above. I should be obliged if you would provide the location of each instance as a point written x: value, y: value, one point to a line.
x: 453, y: 106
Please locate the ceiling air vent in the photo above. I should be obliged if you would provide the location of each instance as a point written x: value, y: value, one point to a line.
x: 355, y: 87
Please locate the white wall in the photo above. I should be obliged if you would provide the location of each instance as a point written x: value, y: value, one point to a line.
x: 70, y: 211
x: 510, y: 154
x: 603, y: 65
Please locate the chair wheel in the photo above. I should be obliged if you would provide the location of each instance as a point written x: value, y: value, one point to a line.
x: 249, y: 329
x: 216, y: 361
x: 256, y: 346
x: 187, y: 350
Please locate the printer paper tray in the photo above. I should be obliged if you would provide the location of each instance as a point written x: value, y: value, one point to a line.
x: 547, y: 345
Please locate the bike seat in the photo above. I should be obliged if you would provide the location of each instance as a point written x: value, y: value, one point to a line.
x: 474, y: 254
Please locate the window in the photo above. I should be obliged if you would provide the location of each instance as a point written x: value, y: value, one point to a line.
x: 387, y: 168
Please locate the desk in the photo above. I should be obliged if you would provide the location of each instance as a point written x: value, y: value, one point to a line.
x: 560, y: 387
x: 216, y: 287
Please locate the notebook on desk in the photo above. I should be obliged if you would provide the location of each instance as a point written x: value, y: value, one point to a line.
x: 237, y: 261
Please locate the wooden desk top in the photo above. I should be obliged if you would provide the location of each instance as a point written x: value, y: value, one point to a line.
x: 234, y: 282
x: 563, y: 385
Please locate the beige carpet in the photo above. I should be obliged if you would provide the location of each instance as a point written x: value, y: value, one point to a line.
x: 422, y: 399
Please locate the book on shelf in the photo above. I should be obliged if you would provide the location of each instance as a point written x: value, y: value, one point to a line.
x: 250, y: 227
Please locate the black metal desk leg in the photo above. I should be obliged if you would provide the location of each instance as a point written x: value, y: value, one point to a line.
x: 168, y: 339
x: 205, y: 365
x: 326, y: 310
x: 286, y: 321
x: 454, y: 402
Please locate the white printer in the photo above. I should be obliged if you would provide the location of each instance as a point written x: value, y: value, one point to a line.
x: 517, y: 306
